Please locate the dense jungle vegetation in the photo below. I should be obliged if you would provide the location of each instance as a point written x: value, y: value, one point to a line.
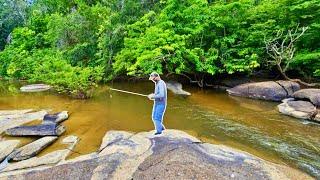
x: 75, y: 44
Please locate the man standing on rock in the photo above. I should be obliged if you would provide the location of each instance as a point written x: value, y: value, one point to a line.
x: 160, y: 102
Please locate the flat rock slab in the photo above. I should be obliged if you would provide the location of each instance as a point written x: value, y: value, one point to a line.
x: 35, y: 88
x: 6, y: 147
x: 33, y: 148
x: 313, y: 95
x: 176, y: 88
x: 172, y: 155
x: 42, y: 162
x: 11, y: 121
x: 298, y: 109
x: 56, y: 118
x: 268, y: 90
x: 14, y: 112
x: 38, y: 130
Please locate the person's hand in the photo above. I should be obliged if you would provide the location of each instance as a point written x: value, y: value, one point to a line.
x: 150, y: 96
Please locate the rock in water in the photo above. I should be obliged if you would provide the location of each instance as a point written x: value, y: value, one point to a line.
x: 269, y: 90
x: 45, y: 160
x: 56, y: 118
x: 312, y: 95
x: 176, y: 88
x: 14, y: 120
x: 35, y: 88
x: 6, y: 147
x: 298, y: 109
x: 33, y: 148
x: 38, y: 130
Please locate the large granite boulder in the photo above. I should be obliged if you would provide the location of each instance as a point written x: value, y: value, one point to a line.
x: 176, y: 88
x: 268, y: 90
x: 33, y: 148
x: 49, y: 129
x: 172, y: 155
x: 313, y: 95
x: 35, y: 88
x: 6, y: 147
x: 298, y: 109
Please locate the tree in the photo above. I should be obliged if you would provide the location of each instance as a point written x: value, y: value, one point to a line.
x: 282, y: 50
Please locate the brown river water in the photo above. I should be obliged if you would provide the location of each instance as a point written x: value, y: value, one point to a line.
x: 213, y: 116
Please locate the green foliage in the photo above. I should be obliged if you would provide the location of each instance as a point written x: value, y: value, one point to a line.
x: 12, y: 14
x: 307, y: 63
x: 187, y: 37
x: 75, y: 81
x: 73, y: 44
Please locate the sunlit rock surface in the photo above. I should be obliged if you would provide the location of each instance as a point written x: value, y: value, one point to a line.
x: 35, y: 88
x: 172, y: 155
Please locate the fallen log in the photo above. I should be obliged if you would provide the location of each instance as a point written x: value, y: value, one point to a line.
x: 38, y: 130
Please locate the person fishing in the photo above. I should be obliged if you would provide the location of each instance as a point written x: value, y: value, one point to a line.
x: 160, y: 102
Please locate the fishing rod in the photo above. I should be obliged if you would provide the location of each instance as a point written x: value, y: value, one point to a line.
x: 119, y: 90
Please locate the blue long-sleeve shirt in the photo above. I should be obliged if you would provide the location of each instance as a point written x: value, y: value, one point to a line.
x: 160, y: 92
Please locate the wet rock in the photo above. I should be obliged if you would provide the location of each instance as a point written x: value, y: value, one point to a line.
x: 33, y: 148
x: 172, y: 155
x: 298, y: 109
x: 176, y: 88
x: 268, y: 90
x: 56, y: 118
x: 35, y: 88
x: 70, y: 140
x: 6, y: 147
x: 14, y: 120
x: 38, y: 130
x: 313, y: 95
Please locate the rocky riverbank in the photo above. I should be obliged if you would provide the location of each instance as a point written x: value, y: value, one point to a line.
x: 296, y: 102
x: 172, y: 155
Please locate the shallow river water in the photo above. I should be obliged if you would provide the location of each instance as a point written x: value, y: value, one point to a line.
x: 253, y: 126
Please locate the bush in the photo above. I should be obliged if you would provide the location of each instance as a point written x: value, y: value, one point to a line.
x: 75, y: 81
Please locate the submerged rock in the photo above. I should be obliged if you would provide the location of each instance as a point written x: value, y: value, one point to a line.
x: 176, y: 88
x: 269, y: 90
x: 38, y: 130
x: 35, y: 88
x: 33, y: 148
x: 298, y: 109
x: 172, y: 155
x: 313, y: 95
x: 56, y: 118
x: 6, y: 147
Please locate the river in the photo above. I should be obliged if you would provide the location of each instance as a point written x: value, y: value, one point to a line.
x: 213, y: 116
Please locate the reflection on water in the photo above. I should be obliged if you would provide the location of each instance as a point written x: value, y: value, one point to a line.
x: 251, y: 125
